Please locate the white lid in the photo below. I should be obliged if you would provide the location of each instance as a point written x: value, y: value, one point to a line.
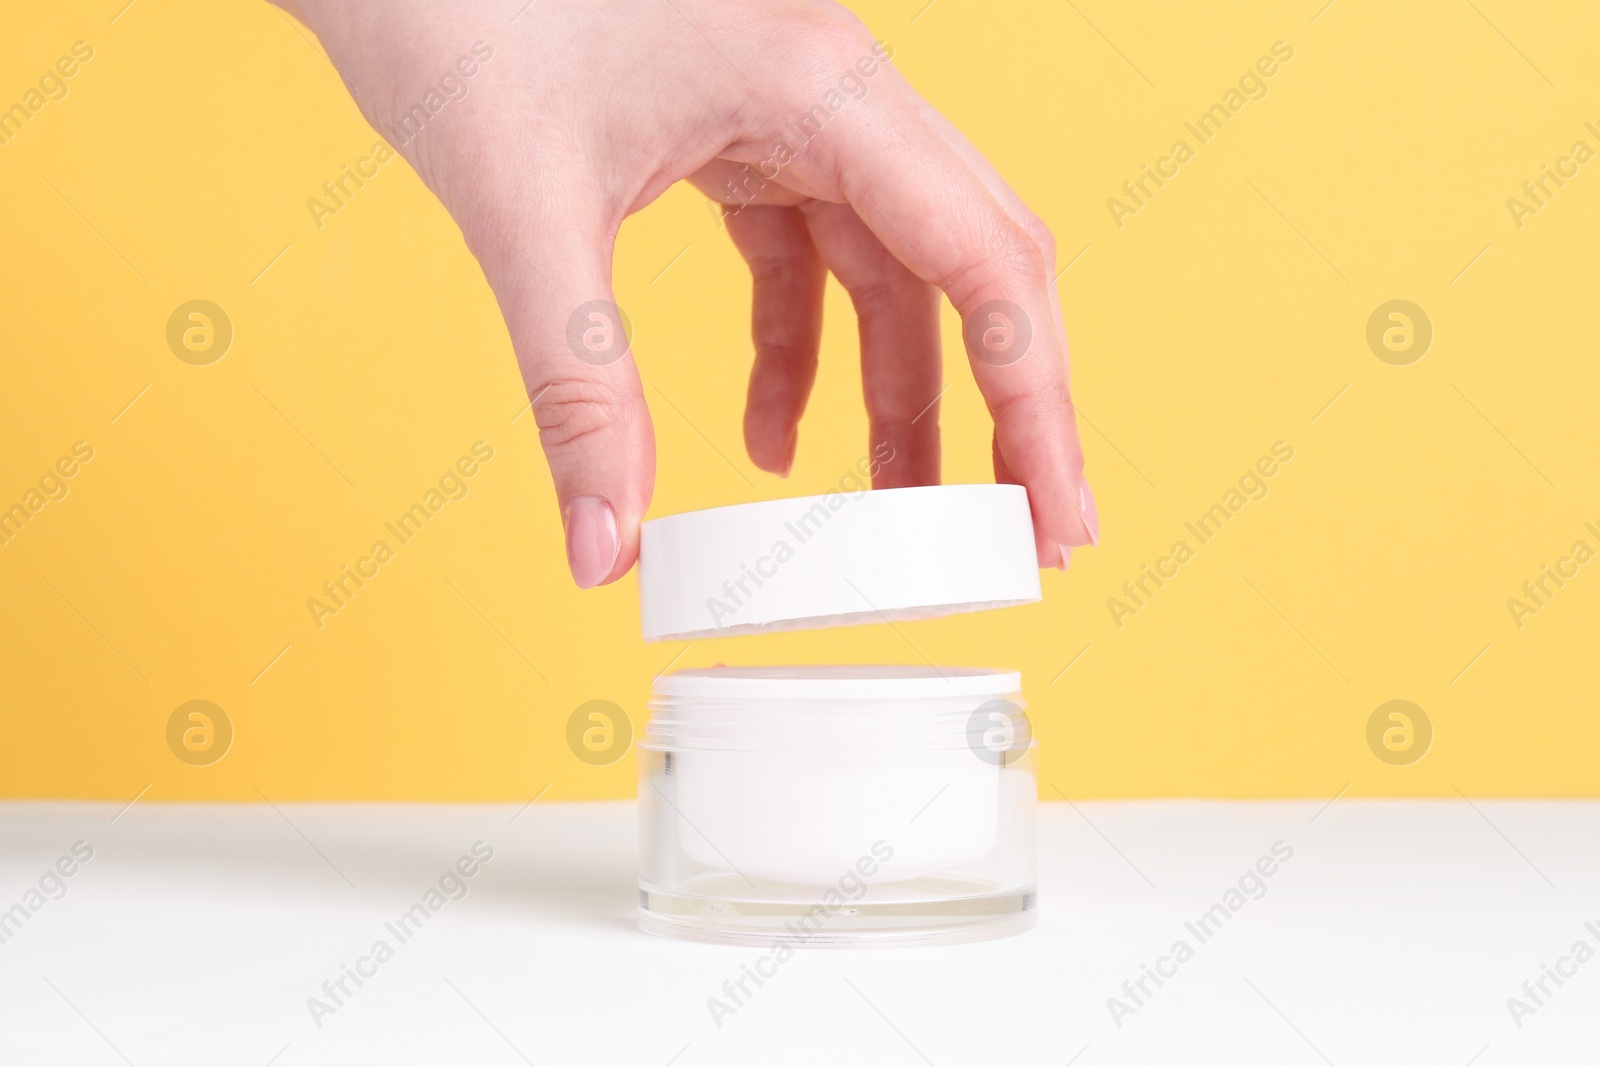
x: 837, y: 560
x: 856, y: 682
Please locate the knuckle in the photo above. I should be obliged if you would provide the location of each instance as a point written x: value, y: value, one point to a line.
x: 827, y: 49
x: 781, y: 265
x: 568, y: 410
x: 1019, y: 251
x: 1049, y: 405
x: 1017, y: 269
x: 1009, y: 257
x: 884, y: 293
x: 901, y: 428
x: 1041, y: 236
x: 860, y: 35
x: 837, y: 41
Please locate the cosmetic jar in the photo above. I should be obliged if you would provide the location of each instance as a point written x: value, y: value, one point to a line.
x: 837, y: 805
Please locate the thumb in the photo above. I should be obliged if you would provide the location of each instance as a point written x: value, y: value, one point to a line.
x: 552, y: 277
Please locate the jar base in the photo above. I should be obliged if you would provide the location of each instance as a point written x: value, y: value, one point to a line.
x: 727, y: 920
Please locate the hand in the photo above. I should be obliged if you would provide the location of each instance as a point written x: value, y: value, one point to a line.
x: 542, y: 126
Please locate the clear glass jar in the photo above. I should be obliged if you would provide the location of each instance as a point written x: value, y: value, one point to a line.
x: 837, y: 806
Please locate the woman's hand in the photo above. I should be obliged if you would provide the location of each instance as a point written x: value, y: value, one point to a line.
x: 542, y: 125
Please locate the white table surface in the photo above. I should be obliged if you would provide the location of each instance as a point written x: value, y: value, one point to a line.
x: 1395, y: 935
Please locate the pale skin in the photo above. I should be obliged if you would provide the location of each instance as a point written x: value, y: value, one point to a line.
x: 589, y: 110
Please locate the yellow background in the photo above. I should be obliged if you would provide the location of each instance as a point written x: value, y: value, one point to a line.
x: 1221, y: 318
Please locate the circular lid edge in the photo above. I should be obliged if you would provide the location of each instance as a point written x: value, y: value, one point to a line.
x: 858, y: 681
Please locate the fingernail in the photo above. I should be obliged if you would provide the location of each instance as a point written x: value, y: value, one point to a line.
x: 592, y: 541
x: 1091, y: 513
x: 1066, y: 557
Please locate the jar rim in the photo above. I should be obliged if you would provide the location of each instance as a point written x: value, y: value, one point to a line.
x: 837, y: 682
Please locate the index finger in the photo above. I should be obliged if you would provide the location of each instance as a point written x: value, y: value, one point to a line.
x: 939, y: 219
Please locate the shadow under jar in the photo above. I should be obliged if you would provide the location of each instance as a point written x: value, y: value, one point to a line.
x: 832, y: 806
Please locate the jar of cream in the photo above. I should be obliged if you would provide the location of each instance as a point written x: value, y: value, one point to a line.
x: 837, y: 805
